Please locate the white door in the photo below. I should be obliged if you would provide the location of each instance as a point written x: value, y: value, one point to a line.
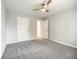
x: 44, y: 29
x: 22, y: 29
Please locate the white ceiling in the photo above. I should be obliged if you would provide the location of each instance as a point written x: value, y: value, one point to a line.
x: 26, y: 6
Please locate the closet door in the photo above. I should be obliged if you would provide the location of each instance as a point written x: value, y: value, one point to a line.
x: 44, y: 28
x: 22, y: 29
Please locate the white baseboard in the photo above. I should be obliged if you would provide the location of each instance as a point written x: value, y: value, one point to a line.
x: 18, y: 41
x: 64, y: 43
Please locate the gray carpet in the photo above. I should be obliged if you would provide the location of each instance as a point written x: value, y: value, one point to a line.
x: 39, y: 49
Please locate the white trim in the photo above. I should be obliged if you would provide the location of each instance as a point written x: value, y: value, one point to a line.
x: 19, y: 41
x: 64, y: 43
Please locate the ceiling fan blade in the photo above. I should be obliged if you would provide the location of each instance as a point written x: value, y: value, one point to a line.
x: 41, y: 7
x: 36, y: 9
x: 49, y: 2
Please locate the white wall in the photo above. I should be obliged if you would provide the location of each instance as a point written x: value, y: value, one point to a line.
x: 63, y: 27
x: 12, y: 26
x: 3, y: 26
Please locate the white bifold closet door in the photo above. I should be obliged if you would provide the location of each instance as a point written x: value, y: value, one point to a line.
x: 23, y: 29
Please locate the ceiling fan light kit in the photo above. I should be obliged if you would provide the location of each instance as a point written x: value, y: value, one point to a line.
x: 43, y: 10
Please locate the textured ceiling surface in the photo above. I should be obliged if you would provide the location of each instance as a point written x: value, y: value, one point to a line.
x: 26, y: 6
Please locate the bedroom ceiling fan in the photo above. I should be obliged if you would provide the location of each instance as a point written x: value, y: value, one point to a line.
x: 44, y: 6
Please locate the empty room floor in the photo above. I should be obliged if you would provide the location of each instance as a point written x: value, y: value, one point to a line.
x: 39, y: 49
